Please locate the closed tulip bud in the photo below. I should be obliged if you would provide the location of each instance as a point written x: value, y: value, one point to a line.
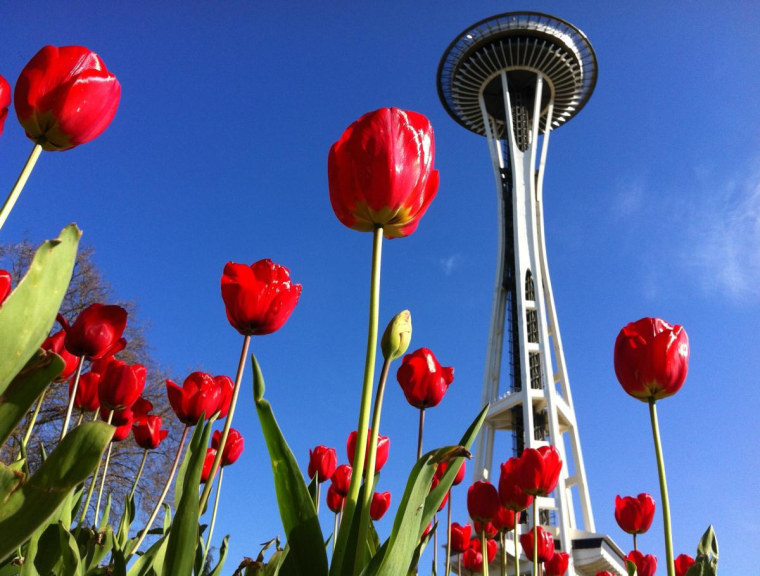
x: 96, y: 332
x: 557, y: 564
x: 460, y: 537
x: 233, y: 448
x: 54, y: 343
x: 383, y: 446
x: 121, y: 385
x: 341, y: 479
x: 634, y: 515
x: 335, y: 499
x: 682, y: 564
x: 473, y: 556
x: 122, y: 431
x: 482, y: 501
x: 397, y: 336
x: 5, y: 102
x: 488, y: 527
x: 199, y: 394
x: 380, y: 172
x: 504, y: 521
x: 381, y: 501
x: 65, y: 97
x: 539, y: 470
x: 87, y: 392
x: 545, y: 544
x: 646, y: 565
x: 208, y: 463
x: 423, y: 380
x: 322, y: 463
x: 227, y: 386
x: 147, y: 432
x: 258, y: 298
x: 510, y: 493
x: 6, y: 282
x: 651, y: 358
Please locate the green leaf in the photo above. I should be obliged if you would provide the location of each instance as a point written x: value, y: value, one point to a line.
x: 299, y: 518
x: 630, y: 567
x: 28, y: 314
x: 217, y: 571
x: 183, y: 535
x: 25, y: 388
x: 125, y: 523
x: 708, y: 544
x: 154, y: 556
x: 58, y: 553
x: 35, y: 500
x: 98, y: 547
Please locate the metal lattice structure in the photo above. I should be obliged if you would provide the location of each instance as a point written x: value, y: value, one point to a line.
x: 513, y: 78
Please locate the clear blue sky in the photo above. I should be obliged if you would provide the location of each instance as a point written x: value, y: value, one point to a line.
x: 218, y: 152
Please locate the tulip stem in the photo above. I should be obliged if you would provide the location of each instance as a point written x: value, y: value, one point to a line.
x: 447, y: 570
x: 663, y: 488
x: 213, y: 519
x: 20, y: 183
x: 535, y: 537
x: 517, y: 550
x: 70, y: 407
x: 160, y: 501
x: 366, y: 398
x: 103, y: 479
x: 227, y: 425
x: 503, y: 542
x: 32, y: 421
x: 634, y: 541
x: 139, y: 473
x: 420, y: 429
x: 484, y: 550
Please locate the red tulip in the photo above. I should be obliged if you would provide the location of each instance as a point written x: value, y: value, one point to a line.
x: 460, y: 537
x: 545, y: 544
x: 54, y: 343
x: 489, y: 528
x: 258, y: 298
x: 228, y: 387
x: 121, y: 385
x: 322, y: 463
x: 510, y: 493
x: 381, y: 172
x: 233, y: 448
x: 433, y: 485
x: 96, y: 332
x: 381, y: 501
x: 646, y: 565
x: 6, y: 282
x: 682, y: 564
x: 473, y: 556
x: 208, y: 462
x: 65, y: 97
x: 443, y: 466
x: 341, y: 478
x: 651, y: 358
x: 147, y: 432
x: 482, y: 501
x: 504, y: 521
x: 557, y: 564
x: 5, y: 101
x: 122, y: 431
x: 200, y: 394
x: 538, y: 472
x: 87, y: 392
x: 634, y: 515
x: 335, y: 499
x: 422, y: 379
x: 383, y: 445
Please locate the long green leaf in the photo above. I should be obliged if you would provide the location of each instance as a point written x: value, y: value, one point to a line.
x: 153, y: 556
x: 183, y: 535
x: 58, y: 552
x: 217, y: 571
x: 28, y: 314
x: 25, y: 388
x: 299, y: 518
x: 33, y: 502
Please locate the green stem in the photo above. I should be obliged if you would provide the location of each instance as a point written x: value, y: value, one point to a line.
x: 517, y: 550
x: 448, y: 536
x: 227, y: 425
x: 335, y: 532
x: 663, y: 488
x: 503, y: 542
x: 70, y: 407
x: 213, y: 519
x: 484, y: 551
x: 79, y: 420
x: 103, y: 481
x: 535, y: 538
x: 91, y: 489
x: 19, y: 185
x: 420, y: 430
x: 366, y: 398
x: 32, y: 421
x: 160, y: 501
x: 139, y: 473
x: 634, y: 542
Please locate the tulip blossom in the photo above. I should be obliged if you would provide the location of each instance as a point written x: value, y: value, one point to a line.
x: 422, y: 379
x: 473, y: 556
x: 460, y: 537
x: 121, y: 385
x: 504, y: 521
x: 646, y: 565
x: 381, y: 501
x: 5, y: 102
x: 322, y: 463
x: 227, y: 387
x: 86, y: 397
x: 208, y: 461
x: 55, y: 343
x: 634, y: 515
x: 380, y: 172
x: 96, y: 332
x: 539, y: 470
x: 443, y: 466
x: 557, y: 564
x: 147, y: 431
x: 233, y: 448
x: 682, y: 564
x: 200, y: 394
x: 545, y: 544
x: 383, y: 445
x: 122, y: 431
x: 258, y: 298
x: 482, y: 501
x: 488, y: 527
x: 651, y: 358
x: 510, y: 493
x: 341, y: 479
x: 6, y: 281
x: 335, y: 499
x: 65, y: 97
